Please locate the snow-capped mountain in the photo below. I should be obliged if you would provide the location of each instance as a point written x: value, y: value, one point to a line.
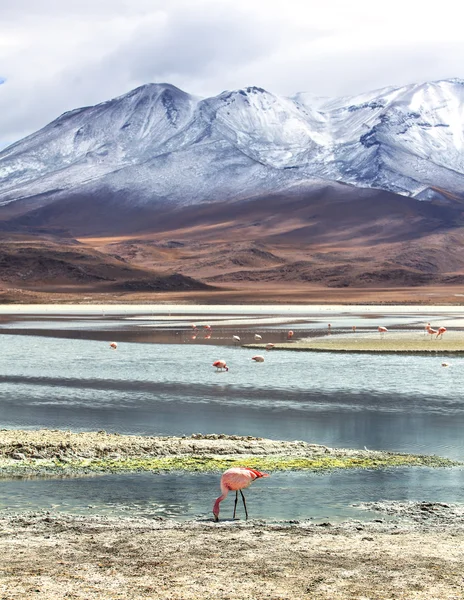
x: 158, y: 143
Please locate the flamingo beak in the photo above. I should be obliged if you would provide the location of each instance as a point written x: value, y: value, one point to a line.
x: 216, y: 518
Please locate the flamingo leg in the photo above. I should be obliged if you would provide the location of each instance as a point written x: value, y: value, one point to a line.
x: 244, y: 504
x: 235, y: 505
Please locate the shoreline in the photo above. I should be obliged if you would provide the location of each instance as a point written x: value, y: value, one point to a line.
x: 54, y: 556
x: 393, y: 342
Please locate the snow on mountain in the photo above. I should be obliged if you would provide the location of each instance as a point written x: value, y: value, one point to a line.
x: 160, y: 143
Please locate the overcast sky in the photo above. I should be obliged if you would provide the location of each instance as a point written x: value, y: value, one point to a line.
x: 56, y: 55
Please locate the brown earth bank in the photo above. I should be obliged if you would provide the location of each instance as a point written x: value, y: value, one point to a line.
x: 56, y: 556
x: 258, y: 293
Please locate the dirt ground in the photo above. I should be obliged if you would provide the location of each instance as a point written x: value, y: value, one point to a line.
x: 249, y: 293
x: 55, y: 557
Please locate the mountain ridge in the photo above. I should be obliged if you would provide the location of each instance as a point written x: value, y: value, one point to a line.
x: 165, y: 143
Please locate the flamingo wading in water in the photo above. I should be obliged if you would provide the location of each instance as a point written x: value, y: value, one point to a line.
x: 382, y: 331
x: 235, y: 480
x: 220, y: 365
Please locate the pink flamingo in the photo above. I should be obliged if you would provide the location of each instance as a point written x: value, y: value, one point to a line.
x: 258, y: 358
x: 290, y: 335
x: 233, y: 480
x: 220, y: 365
x: 431, y: 331
x: 382, y: 331
x: 440, y: 332
x: 269, y: 346
x: 113, y: 345
x: 426, y: 328
x: 354, y: 328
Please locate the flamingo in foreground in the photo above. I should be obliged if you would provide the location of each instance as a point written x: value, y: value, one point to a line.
x: 220, y: 365
x: 233, y: 480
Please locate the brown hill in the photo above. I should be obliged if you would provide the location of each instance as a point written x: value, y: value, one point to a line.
x: 61, y: 265
x: 329, y: 235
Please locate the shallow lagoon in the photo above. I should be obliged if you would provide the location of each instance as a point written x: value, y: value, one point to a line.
x: 400, y: 403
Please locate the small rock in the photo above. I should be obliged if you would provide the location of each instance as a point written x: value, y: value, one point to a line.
x: 18, y: 456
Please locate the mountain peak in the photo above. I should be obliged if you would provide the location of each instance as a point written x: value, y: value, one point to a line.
x: 159, y: 142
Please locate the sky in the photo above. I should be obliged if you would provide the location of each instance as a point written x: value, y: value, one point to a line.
x: 56, y: 55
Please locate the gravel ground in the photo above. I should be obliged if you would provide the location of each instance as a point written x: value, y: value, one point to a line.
x: 55, y: 556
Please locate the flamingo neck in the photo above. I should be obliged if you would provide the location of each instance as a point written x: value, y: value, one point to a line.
x: 216, y: 504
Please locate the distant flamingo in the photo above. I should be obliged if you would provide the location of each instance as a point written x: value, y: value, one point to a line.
x: 431, y: 332
x: 426, y: 328
x: 233, y: 480
x: 220, y: 365
x: 236, y: 338
x: 113, y: 345
x: 207, y: 327
x: 258, y: 337
x: 258, y: 358
x: 354, y: 328
x: 290, y: 335
x: 194, y: 326
x: 207, y: 336
x: 440, y: 332
x: 445, y: 364
x: 382, y: 330
x: 269, y: 346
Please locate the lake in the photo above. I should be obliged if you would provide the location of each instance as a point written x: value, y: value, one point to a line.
x: 401, y: 403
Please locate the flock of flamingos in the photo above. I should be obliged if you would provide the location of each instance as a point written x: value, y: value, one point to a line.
x: 237, y: 479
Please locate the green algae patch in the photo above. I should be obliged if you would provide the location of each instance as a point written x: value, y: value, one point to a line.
x: 199, y: 464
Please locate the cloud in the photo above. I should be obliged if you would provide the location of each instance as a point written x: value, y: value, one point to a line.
x: 60, y: 55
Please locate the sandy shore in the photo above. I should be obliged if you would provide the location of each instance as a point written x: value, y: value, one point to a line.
x: 393, y: 342
x: 418, y: 556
